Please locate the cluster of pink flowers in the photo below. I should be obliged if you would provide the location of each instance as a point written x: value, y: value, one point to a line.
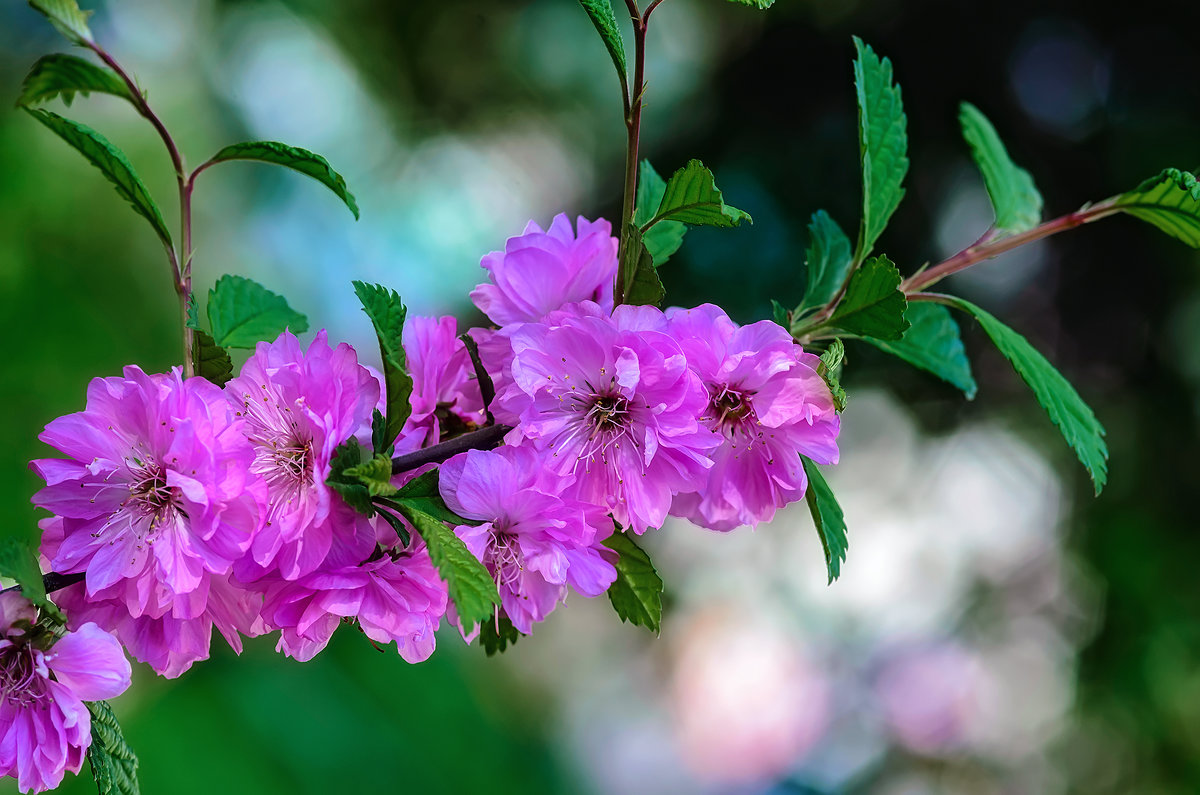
x: 188, y: 507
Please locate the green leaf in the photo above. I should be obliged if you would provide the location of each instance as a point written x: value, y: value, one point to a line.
x: 66, y: 75
x: 193, y: 316
x: 1015, y: 198
x: 114, y: 765
x: 873, y: 305
x: 497, y: 635
x: 691, y: 196
x: 830, y: 369
x: 379, y: 432
x: 470, y: 585
x: 883, y: 144
x: 933, y: 344
x: 664, y: 238
x: 829, y: 260
x: 293, y: 157
x: 1067, y: 410
x: 636, y: 594
x: 67, y: 17
x: 423, y: 494
x: 347, y: 456
x: 761, y: 4
x: 779, y: 313
x: 397, y: 524
x: 644, y: 286
x: 112, y: 164
x: 18, y: 562
x: 1170, y: 201
x: 387, y: 313
x: 827, y: 516
x: 601, y: 14
x: 243, y: 313
x: 376, y: 474
x: 210, y: 359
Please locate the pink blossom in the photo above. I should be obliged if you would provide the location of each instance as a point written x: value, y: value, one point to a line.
x: 298, y: 407
x: 532, y: 540
x: 539, y: 272
x: 769, y: 405
x: 612, y: 402
x: 445, y: 394
x: 45, y: 729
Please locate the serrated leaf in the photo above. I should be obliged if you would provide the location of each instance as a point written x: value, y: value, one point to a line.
x: 602, y: 16
x: 1015, y: 198
x: 424, y: 494
x: 210, y: 359
x: 114, y: 765
x: 636, y: 594
x: 829, y: 260
x: 873, y: 305
x: 642, y: 285
x: 376, y: 474
x: 67, y: 75
x: 67, y: 17
x: 830, y: 369
x: 933, y: 343
x: 691, y: 196
x: 1074, y: 419
x: 308, y: 163
x: 387, y: 313
x: 193, y: 316
x: 779, y: 314
x: 664, y: 238
x: 112, y: 164
x: 827, y: 516
x: 243, y: 313
x: 397, y: 524
x: 496, y: 635
x: 1170, y: 201
x: 379, y: 432
x: 883, y: 144
x: 18, y: 562
x: 353, y: 492
x: 470, y: 585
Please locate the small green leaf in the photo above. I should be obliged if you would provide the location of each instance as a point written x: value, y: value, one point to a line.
x: 67, y: 17
x: 375, y: 474
x: 387, y: 313
x: 66, y: 75
x: 827, y: 516
x: 18, y: 562
x: 397, y: 524
x: 193, y: 316
x: 664, y: 238
x: 780, y: 314
x: 636, y: 594
x: 644, y: 286
x: 112, y: 164
x: 760, y: 4
x: 1075, y: 420
x: 829, y: 260
x: 114, y: 765
x: 873, y: 305
x: 1170, y: 201
x: 243, y: 313
x: 602, y: 16
x: 424, y: 494
x: 379, y: 432
x: 1015, y: 198
x: 293, y: 157
x: 347, y: 456
x: 933, y: 344
x: 830, y: 369
x: 691, y: 196
x: 210, y: 359
x: 496, y: 635
x: 471, y: 586
x: 883, y: 144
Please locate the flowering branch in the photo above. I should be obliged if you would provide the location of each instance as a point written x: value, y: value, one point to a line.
x: 633, y: 125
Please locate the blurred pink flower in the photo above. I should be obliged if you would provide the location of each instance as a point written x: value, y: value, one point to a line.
x: 930, y: 697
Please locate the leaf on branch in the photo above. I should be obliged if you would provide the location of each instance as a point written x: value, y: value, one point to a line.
x: 691, y: 196
x: 424, y: 494
x: 243, y: 313
x: 496, y: 635
x: 18, y: 562
x: 67, y: 75
x: 352, y: 490
x: 470, y: 585
x: 387, y: 313
x: 664, y: 238
x: 1074, y: 419
x: 374, y: 473
x: 67, y: 17
x: 636, y: 594
x: 602, y: 16
x: 210, y: 359
x: 112, y: 164
x: 873, y: 305
x: 308, y: 163
x: 114, y: 765
x: 932, y: 343
x: 1170, y: 201
x: 827, y: 516
x: 779, y: 314
x: 830, y: 369
x: 829, y: 260
x: 643, y: 285
x: 883, y: 144
x: 1015, y: 198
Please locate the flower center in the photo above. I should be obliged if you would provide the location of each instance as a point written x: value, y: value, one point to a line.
x: 731, y: 414
x: 149, y: 494
x: 608, y: 413
x: 19, y: 678
x: 505, y: 559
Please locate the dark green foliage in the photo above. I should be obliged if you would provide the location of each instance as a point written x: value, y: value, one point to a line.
x: 1170, y: 201
x: 423, y: 493
x: 1015, y: 198
x: 375, y: 473
x: 636, y: 594
x: 496, y: 635
x: 293, y: 157
x: 760, y: 4
x: 830, y: 369
x: 873, y: 305
x: 932, y: 343
x: 664, y: 238
x: 883, y: 144
x: 210, y: 359
x: 114, y: 765
x: 66, y: 16
x: 243, y: 313
x: 601, y: 14
x: 357, y: 495
x: 18, y: 562
x: 829, y: 260
x: 827, y: 516
x: 642, y: 284
x: 780, y: 314
x: 387, y: 313
x: 61, y: 75
x: 691, y: 196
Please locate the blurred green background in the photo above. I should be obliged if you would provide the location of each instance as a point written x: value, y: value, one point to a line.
x: 997, y: 630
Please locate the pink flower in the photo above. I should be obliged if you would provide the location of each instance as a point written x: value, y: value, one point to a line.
x: 445, y: 394
x: 539, y: 272
x: 532, y: 540
x: 298, y: 407
x: 45, y: 729
x: 612, y: 402
x: 770, y: 406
